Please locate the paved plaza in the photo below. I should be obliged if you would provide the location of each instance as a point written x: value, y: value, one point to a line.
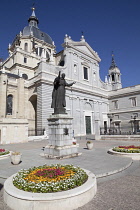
x: 118, y: 178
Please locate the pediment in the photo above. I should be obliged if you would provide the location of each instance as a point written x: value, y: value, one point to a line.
x: 86, y: 49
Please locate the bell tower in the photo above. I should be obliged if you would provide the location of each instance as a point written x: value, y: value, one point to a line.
x: 114, y: 75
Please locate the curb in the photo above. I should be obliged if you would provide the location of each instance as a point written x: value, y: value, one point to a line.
x: 103, y: 174
x: 115, y: 171
x: 134, y: 156
x: 69, y: 199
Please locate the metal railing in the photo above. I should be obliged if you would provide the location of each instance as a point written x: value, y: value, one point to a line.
x: 36, y: 132
x: 128, y: 130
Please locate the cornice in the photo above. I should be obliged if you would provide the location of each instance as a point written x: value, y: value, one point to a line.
x: 79, y: 89
x: 123, y: 94
x: 20, y: 65
x: 38, y: 40
x: 28, y: 54
x: 124, y: 111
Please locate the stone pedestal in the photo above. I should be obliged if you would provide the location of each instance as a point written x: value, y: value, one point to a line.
x: 60, y: 137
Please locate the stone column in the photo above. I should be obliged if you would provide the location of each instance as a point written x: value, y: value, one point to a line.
x: 21, y: 98
x: 97, y: 130
x: 97, y: 121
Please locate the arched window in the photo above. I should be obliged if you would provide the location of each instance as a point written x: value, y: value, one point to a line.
x: 26, y: 46
x: 94, y: 76
x: 113, y: 78
x: 118, y: 77
x: 25, y: 76
x: 47, y: 55
x: 9, y: 105
x: 75, y: 68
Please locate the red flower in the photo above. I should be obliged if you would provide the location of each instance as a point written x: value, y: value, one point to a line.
x: 129, y: 147
x: 50, y: 172
x: 2, y: 150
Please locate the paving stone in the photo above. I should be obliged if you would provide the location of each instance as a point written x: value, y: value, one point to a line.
x: 120, y: 191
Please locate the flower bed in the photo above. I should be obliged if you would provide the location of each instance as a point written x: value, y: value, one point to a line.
x: 68, y: 199
x: 127, y: 149
x: 47, y: 179
x: 3, y: 152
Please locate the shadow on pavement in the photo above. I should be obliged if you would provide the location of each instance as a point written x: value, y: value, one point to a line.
x: 1, y: 186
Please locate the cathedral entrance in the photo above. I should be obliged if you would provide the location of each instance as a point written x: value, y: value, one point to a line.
x: 88, y: 124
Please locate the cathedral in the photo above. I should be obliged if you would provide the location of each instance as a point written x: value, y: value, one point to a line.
x: 26, y: 85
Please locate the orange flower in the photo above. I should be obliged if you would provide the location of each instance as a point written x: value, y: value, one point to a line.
x: 37, y: 175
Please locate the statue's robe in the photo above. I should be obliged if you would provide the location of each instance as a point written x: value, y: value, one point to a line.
x: 58, y: 94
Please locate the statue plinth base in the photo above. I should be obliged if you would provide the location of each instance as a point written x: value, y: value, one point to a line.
x: 59, y: 111
x: 60, y: 137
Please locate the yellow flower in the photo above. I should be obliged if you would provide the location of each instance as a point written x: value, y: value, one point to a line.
x: 32, y: 177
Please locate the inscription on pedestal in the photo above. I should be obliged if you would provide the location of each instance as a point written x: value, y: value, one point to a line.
x: 66, y: 131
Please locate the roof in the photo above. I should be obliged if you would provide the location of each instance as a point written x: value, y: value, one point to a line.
x: 113, y: 66
x: 10, y: 75
x: 37, y: 33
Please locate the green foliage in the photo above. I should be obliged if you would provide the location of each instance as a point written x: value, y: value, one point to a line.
x: 4, y: 153
x: 117, y: 149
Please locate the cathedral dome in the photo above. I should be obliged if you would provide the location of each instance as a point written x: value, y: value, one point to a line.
x: 32, y: 29
x: 37, y: 33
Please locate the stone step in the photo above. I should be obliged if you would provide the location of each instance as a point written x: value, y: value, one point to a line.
x: 121, y: 137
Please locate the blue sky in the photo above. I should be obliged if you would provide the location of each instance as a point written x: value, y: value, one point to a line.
x: 108, y: 25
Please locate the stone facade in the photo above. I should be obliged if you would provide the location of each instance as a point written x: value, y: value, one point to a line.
x: 125, y: 108
x: 26, y: 84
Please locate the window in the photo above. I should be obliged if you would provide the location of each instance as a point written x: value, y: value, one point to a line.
x: 133, y: 102
x: 36, y: 49
x: 85, y: 73
x: 94, y: 76
x: 48, y: 56
x: 116, y: 104
x: 26, y: 47
x: 113, y: 78
x: 61, y: 63
x: 9, y: 105
x: 40, y: 51
x: 25, y: 76
x: 25, y: 60
x: 75, y: 68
